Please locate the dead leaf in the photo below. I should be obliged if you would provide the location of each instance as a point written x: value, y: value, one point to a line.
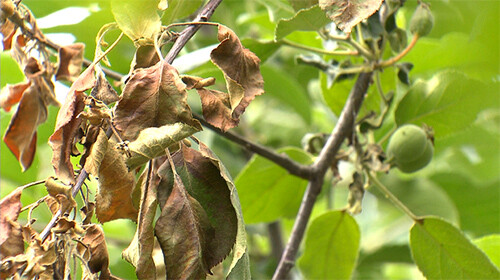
x: 113, y: 198
x: 203, y: 182
x: 103, y: 90
x: 348, y: 13
x: 183, y: 230
x: 96, y: 246
x: 152, y: 97
x: 145, y: 56
x: 241, y: 71
x: 21, y: 135
x: 11, y: 240
x: 140, y: 251
x: 70, y: 62
x: 62, y: 194
x: 67, y: 125
x: 11, y: 95
x: 96, y: 153
x: 8, y: 29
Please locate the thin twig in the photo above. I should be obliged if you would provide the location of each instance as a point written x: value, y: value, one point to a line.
x: 316, y: 50
x: 404, y: 52
x: 293, y: 167
x: 342, y: 130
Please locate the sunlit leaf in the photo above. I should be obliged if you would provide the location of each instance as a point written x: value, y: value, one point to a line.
x: 179, y: 9
x: 11, y: 95
x: 153, y: 141
x: 138, y: 19
x: 448, y: 102
x: 332, y: 238
x: 310, y: 19
x: 490, y: 245
x: 347, y: 13
x: 441, y: 251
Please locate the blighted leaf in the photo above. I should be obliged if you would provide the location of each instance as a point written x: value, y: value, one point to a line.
x: 153, y: 97
x: 103, y: 90
x: 113, y: 198
x: 310, y: 19
x: 21, y: 134
x: 241, y: 71
x: 70, y: 62
x: 62, y: 194
x: 8, y: 28
x: 441, y: 251
x: 67, y: 124
x: 153, y: 141
x: 145, y: 56
x: 333, y: 238
x: 95, y: 246
x: 208, y: 181
x: 11, y: 240
x: 183, y: 231
x: 96, y: 154
x: 347, y: 13
x: 139, y: 20
x: 11, y: 95
x: 140, y: 251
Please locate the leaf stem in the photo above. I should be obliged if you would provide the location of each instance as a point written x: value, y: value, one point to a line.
x: 404, y: 52
x: 316, y: 50
x: 391, y: 196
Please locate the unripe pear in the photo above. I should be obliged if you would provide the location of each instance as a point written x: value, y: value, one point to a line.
x: 410, y: 148
x: 422, y: 21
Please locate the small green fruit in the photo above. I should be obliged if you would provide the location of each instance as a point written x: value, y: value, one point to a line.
x: 410, y: 148
x: 422, y: 20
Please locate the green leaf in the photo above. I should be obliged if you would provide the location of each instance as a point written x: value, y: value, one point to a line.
x: 282, y: 86
x: 178, y: 9
x: 268, y: 192
x: 153, y: 141
x: 387, y: 254
x: 448, y: 102
x: 331, y: 247
x: 441, y: 251
x: 138, y: 19
x: 348, y: 13
x: 277, y: 9
x: 336, y: 95
x: 263, y: 50
x: 310, y: 19
x: 10, y: 70
x: 472, y: 200
x: 490, y: 244
x: 472, y: 57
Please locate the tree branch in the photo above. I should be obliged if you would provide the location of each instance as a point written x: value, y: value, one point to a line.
x: 282, y: 160
x: 342, y: 129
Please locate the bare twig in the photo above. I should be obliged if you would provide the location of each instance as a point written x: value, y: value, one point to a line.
x: 282, y: 160
x: 342, y: 130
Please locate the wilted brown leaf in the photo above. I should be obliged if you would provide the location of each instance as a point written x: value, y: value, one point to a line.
x: 145, y: 56
x: 20, y: 136
x: 97, y: 249
x: 61, y: 193
x: 103, y: 91
x: 183, y: 230
x: 241, y: 71
x: 67, y: 124
x: 40, y: 257
x: 153, y: 97
x: 347, y: 13
x: 113, y: 198
x: 203, y: 182
x: 140, y: 251
x: 11, y: 240
x: 11, y: 95
x: 70, y: 62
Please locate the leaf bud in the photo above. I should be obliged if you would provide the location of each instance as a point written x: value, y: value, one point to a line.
x: 422, y: 20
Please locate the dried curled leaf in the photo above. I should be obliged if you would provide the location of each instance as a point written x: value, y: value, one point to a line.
x: 241, y: 71
x: 347, y: 13
x: 67, y: 124
x: 103, y: 91
x: 113, y: 198
x: 70, y: 62
x: 11, y: 95
x: 11, y: 240
x: 153, y: 97
x: 95, y: 247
